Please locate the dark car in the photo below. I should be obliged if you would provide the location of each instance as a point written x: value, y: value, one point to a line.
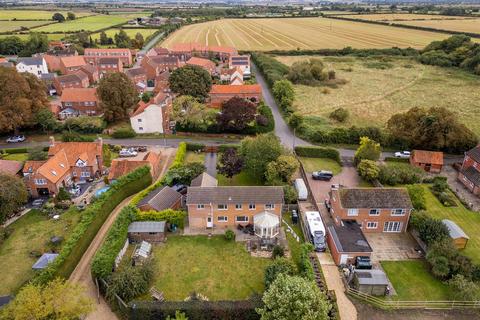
x: 180, y: 188
x: 363, y: 262
x: 319, y: 241
x: 322, y: 175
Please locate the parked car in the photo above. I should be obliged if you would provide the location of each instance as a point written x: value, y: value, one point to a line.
x: 363, y: 262
x: 402, y: 154
x: 16, y: 139
x: 37, y: 203
x: 322, y: 175
x: 127, y: 153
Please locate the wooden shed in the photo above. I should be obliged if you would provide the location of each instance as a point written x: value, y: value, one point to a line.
x: 150, y: 231
x: 373, y: 282
x: 459, y: 237
x: 430, y: 161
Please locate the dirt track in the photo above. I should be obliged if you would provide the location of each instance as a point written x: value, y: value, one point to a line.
x: 82, y: 273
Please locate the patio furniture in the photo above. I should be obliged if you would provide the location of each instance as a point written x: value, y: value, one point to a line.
x: 157, y: 295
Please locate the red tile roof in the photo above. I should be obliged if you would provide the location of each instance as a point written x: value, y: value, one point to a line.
x: 193, y: 46
x: 240, y: 89
x: 55, y: 167
x: 422, y: 156
x: 10, y: 166
x: 77, y: 150
x: 32, y: 166
x: 205, y: 63
x: 73, y: 61
x: 79, y: 95
x: 121, y: 167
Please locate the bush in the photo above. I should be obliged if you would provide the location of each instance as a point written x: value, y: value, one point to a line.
x: 278, y: 252
x: 368, y: 170
x: 191, y: 146
x: 305, y: 267
x: 339, y: 114
x: 440, y: 184
x: 171, y: 216
x: 290, y: 194
x: 318, y: 152
x: 394, y: 159
x: 75, y: 137
x: 224, y: 147
x: 130, y: 282
x: 184, y: 174
x: 229, y: 235
x: 63, y: 195
x: 464, y: 289
x: 272, y: 69
x: 429, y: 229
x: 123, y: 133
x: 395, y: 174
x: 279, y: 265
x: 84, y: 124
x: 417, y: 195
x: 445, y: 198
x: 180, y: 156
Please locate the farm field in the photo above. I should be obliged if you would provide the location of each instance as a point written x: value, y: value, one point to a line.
x: 304, y: 33
x: 402, y: 17
x: 130, y: 32
x: 35, y: 14
x: 92, y: 23
x: 465, y: 25
x: 377, y: 88
x: 7, y: 26
x: 51, y: 36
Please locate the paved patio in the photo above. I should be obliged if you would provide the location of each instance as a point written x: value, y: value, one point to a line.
x: 392, y: 246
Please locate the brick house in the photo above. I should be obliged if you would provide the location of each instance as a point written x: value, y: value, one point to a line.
x: 161, y: 82
x: 347, y: 242
x: 78, y: 79
x: 469, y: 174
x: 203, y: 63
x: 185, y: 51
x: 374, y: 209
x: 222, y: 93
x: 242, y: 62
x: 156, y: 65
x: 226, y: 207
x: 109, y: 65
x: 79, y: 102
x: 227, y: 75
x: 158, y: 51
x: 92, y: 72
x: 430, y: 161
x: 137, y: 75
x: 92, y: 55
x: 121, y: 167
x: 162, y: 198
x: 71, y: 64
x: 67, y: 163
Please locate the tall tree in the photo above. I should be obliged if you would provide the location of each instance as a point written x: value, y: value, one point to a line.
x: 122, y: 40
x: 190, y: 113
x: 139, y: 41
x: 11, y: 45
x: 281, y: 170
x: 103, y: 38
x: 290, y: 298
x: 236, y: 114
x: 258, y: 151
x: 368, y: 150
x: 230, y: 163
x: 22, y: 95
x: 191, y: 81
x: 13, y: 194
x: 46, y: 119
x: 57, y: 16
x: 284, y: 94
x: 36, y: 43
x: 117, y: 95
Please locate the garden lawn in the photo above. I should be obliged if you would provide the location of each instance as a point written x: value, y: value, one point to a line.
x: 16, y: 156
x: 317, y: 164
x: 32, y: 232
x: 412, y: 281
x: 215, y: 267
x: 195, y: 157
x: 468, y: 220
x: 244, y: 178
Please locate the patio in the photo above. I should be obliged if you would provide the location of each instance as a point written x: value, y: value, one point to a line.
x: 392, y: 246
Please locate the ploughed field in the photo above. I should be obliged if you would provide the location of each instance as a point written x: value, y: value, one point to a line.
x: 376, y: 88
x: 300, y: 33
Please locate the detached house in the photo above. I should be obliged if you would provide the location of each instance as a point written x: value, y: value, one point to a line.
x: 222, y: 93
x: 233, y: 76
x: 469, y: 174
x: 242, y: 62
x: 154, y: 116
x: 78, y: 79
x: 121, y: 167
x: 373, y: 209
x: 67, y: 163
x: 109, y: 65
x: 79, y: 102
x: 34, y: 65
x: 71, y: 64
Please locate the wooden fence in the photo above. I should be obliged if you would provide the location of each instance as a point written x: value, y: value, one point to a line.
x: 394, y: 304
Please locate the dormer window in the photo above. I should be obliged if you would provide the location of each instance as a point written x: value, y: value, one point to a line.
x: 54, y: 172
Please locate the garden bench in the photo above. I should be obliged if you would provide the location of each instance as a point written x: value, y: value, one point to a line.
x: 157, y: 295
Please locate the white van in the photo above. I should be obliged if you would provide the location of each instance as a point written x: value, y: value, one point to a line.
x: 301, y: 189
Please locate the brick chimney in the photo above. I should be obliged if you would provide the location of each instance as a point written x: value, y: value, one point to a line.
x: 52, y: 141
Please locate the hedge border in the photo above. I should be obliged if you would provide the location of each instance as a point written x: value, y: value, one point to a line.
x: 318, y: 152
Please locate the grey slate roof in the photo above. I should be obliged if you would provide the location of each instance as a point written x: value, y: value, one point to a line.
x: 472, y: 175
x: 474, y: 153
x: 371, y: 277
x: 378, y: 198
x: 454, y: 230
x: 34, y: 61
x: 161, y: 198
x: 204, y: 180
x: 233, y: 195
x: 132, y: 72
x: 44, y: 260
x: 147, y: 226
x: 349, y: 237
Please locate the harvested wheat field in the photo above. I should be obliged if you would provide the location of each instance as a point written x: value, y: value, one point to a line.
x: 303, y: 33
x: 377, y: 88
x: 464, y: 25
x: 402, y: 17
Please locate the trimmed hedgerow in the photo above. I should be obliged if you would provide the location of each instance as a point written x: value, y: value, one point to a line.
x: 318, y: 152
x: 193, y: 146
x: 169, y: 215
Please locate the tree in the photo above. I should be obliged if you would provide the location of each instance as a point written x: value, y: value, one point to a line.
x: 340, y: 114
x: 59, y: 299
x: 430, y: 230
x: 191, y: 114
x: 191, y: 81
x: 230, y: 163
x: 103, y: 38
x: 139, y: 41
x: 130, y: 282
x: 36, y: 43
x: 122, y: 40
x: 290, y: 194
x: 281, y: 170
x: 117, y: 95
x: 57, y: 16
x: 37, y: 154
x: 284, y: 94
x: 464, y: 289
x: 294, y: 298
x: 236, y: 114
x: 368, y: 170
x: 184, y: 174
x: 258, y: 151
x: 46, y: 119
x: 368, y: 149
x: 63, y: 195
x: 307, y: 72
x: 13, y: 194
x: 71, y: 16
x: 22, y: 95
x: 279, y: 266
x: 11, y: 45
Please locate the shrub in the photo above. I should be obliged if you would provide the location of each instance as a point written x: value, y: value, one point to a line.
x: 417, y: 195
x: 224, y: 147
x: 180, y: 156
x: 130, y: 282
x: 229, y: 235
x: 339, y: 114
x: 278, y: 251
x: 191, y: 146
x: 123, y: 133
x: 75, y: 137
x: 394, y: 174
x: 445, y: 198
x: 368, y: 170
x: 184, y: 174
x: 284, y: 95
x: 464, y: 289
x: 318, y: 152
x: 429, y: 229
x: 279, y: 265
x: 62, y: 195
x: 290, y: 194
x: 84, y: 124
x: 440, y: 184
x: 171, y: 216
x: 37, y: 154
x: 272, y: 69
x: 305, y: 267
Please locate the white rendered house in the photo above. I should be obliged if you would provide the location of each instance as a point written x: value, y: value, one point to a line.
x: 151, y: 117
x: 36, y: 66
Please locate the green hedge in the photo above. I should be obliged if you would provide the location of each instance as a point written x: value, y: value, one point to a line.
x: 318, y: 152
x: 123, y: 133
x: 394, y: 159
x: 180, y: 156
x: 224, y: 147
x: 192, y: 146
x: 104, y: 260
x: 18, y: 150
x: 92, y: 220
x: 169, y: 215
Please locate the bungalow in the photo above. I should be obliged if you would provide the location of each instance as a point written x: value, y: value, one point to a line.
x: 373, y: 209
x: 109, y: 65
x: 79, y: 102
x: 121, y: 167
x: 162, y: 198
x: 429, y: 161
x: 203, y: 63
x: 222, y: 93
x: 92, y: 55
x: 469, y: 174
x: 34, y: 65
x: 71, y: 64
x: 153, y: 116
x: 346, y: 242
x: 79, y: 79
x: 242, y: 62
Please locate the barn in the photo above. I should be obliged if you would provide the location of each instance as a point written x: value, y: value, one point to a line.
x: 459, y: 237
x: 150, y: 231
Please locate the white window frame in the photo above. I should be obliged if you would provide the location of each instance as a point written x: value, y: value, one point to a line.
x: 269, y: 206
x: 386, y: 226
x: 222, y: 219
x: 85, y: 174
x: 372, y: 224
x: 252, y: 206
x: 200, y: 206
x: 377, y: 212
x: 238, y: 206
x: 236, y: 218
x: 222, y: 204
x: 394, y: 212
x: 40, y: 182
x: 352, y: 212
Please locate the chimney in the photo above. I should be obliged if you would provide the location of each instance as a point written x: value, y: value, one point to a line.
x: 100, y: 141
x: 52, y: 141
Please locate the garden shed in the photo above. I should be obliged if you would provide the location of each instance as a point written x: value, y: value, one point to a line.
x: 151, y: 231
x: 459, y: 237
x: 372, y: 282
x: 266, y: 224
x: 44, y: 260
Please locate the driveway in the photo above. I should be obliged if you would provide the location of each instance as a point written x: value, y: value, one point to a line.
x: 460, y: 189
x: 211, y: 163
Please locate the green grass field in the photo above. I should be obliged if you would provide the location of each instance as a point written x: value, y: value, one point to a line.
x: 377, y: 88
x: 6, y: 26
x: 242, y: 179
x: 91, y: 23
x: 31, y: 232
x: 35, y: 14
x: 194, y: 157
x: 51, y: 36
x: 130, y: 32
x: 16, y: 157
x: 316, y: 164
x: 468, y: 220
x: 412, y: 281
x: 216, y: 268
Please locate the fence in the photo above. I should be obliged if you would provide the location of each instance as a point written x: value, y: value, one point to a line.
x: 120, y: 255
x: 393, y: 304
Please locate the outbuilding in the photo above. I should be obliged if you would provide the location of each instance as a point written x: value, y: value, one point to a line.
x: 459, y: 237
x: 347, y: 242
x: 430, y: 161
x: 373, y: 282
x: 150, y: 231
x: 44, y: 260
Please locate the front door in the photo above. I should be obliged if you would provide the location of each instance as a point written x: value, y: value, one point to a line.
x: 209, y: 222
